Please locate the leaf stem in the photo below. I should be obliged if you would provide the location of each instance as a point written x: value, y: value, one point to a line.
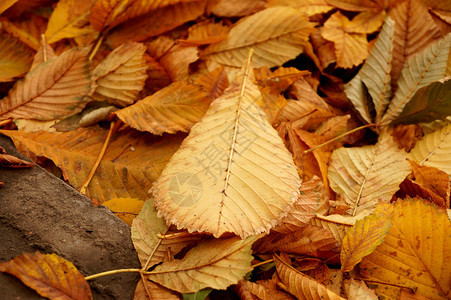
x: 5, y: 122
x: 96, y: 48
x: 263, y: 263
x: 112, y: 272
x: 99, y: 159
x: 338, y: 137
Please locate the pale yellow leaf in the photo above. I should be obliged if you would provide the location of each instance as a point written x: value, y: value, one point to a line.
x: 232, y: 173
x: 215, y: 263
x: 174, y: 108
x: 434, y: 150
x: 369, y: 174
x: 415, y: 254
x: 276, y: 34
x: 121, y: 75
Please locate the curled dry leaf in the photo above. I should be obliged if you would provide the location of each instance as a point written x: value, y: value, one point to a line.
x: 309, y: 241
x: 50, y: 275
x: 10, y: 161
x: 415, y: 254
x: 276, y: 34
x: 300, y: 285
x: 176, y: 107
x: 56, y: 89
x: 121, y: 75
x: 215, y: 263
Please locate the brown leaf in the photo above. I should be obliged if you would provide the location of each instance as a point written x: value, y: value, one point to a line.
x: 406, y: 136
x: 56, y: 89
x: 156, y: 291
x: 49, y: 275
x: 234, y: 8
x: 10, y: 161
x: 205, y: 33
x: 214, y: 82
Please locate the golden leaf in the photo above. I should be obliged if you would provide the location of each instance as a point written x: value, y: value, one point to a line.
x: 234, y: 8
x: 176, y: 107
x: 368, y: 174
x: 15, y: 58
x: 145, y: 232
x: 125, y: 208
x: 215, y: 263
x: 214, y: 82
x: 156, y: 291
x: 351, y: 48
x: 205, y: 33
x: 416, y: 253
x: 300, y: 285
x: 232, y: 173
x: 55, y: 89
x: 4, y: 5
x: 276, y: 34
x: 121, y: 75
x: 363, y: 238
x: 68, y: 20
x: 132, y: 162
x: 50, y: 275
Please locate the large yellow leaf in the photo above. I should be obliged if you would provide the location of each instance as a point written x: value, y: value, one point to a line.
x: 411, y: 36
x: 300, y: 285
x: 132, y: 162
x: 121, y: 75
x: 15, y: 58
x: 416, y: 253
x: 215, y: 263
x: 69, y: 19
x: 55, y: 89
x: 50, y: 275
x: 363, y: 238
x: 434, y: 150
x: 276, y: 34
x: 145, y: 230
x: 232, y: 173
x: 156, y: 22
x: 174, y: 108
x: 366, y: 175
x: 351, y: 48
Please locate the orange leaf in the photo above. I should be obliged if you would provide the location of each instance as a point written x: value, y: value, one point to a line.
x: 125, y: 208
x: 49, y: 275
x: 132, y: 162
x: 156, y: 291
x: 205, y: 33
x: 56, y: 89
x: 176, y: 61
x: 310, y: 7
x: 214, y: 82
x: 351, y: 48
x: 15, y: 58
x: 10, y: 161
x: 156, y: 22
x: 234, y: 8
x: 174, y: 108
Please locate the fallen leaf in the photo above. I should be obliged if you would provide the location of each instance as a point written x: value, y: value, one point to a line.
x: 210, y: 182
x: 145, y: 232
x: 204, y: 34
x: 357, y: 289
x: 234, y: 8
x: 215, y: 263
x: 156, y: 291
x: 300, y: 285
x: 310, y: 7
x: 273, y: 43
x: 121, y: 75
x: 176, y: 107
x: 48, y: 274
x: 406, y: 136
x: 415, y: 253
x: 15, y: 58
x: 125, y: 208
x: 40, y: 94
